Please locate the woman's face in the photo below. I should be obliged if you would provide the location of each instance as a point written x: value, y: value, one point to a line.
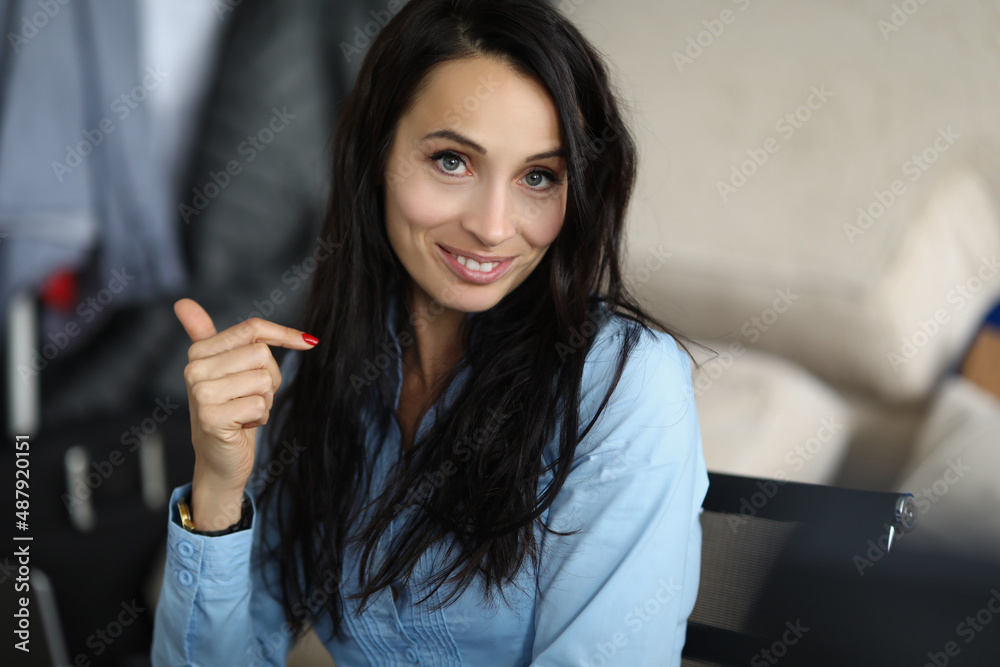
x: 475, y: 184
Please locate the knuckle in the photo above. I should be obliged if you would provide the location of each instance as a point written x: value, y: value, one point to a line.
x: 206, y: 421
x: 261, y: 352
x: 262, y: 378
x: 244, y: 331
x: 201, y: 393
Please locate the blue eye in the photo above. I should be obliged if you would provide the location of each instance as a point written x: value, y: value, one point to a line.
x: 448, y: 161
x: 537, y: 180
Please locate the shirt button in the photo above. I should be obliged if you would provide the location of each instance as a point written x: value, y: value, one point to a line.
x: 411, y: 655
x: 185, y: 549
x: 185, y: 577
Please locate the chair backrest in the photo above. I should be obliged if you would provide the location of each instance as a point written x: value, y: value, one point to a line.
x: 766, y: 544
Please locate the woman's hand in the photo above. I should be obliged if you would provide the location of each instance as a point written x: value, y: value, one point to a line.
x: 231, y: 380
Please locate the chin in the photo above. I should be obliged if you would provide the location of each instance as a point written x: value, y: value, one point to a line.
x: 470, y: 302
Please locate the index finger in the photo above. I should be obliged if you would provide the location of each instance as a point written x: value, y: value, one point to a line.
x: 254, y: 330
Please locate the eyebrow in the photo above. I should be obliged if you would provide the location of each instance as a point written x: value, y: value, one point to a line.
x: 455, y: 136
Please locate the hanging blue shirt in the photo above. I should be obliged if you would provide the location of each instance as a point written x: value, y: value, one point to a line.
x: 618, y: 592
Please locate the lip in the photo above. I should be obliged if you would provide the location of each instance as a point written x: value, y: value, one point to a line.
x: 470, y: 255
x: 478, y: 277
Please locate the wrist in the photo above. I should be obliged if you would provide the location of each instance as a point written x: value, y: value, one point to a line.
x: 187, y: 519
x: 214, y: 508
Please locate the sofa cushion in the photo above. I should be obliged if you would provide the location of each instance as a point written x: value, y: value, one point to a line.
x: 764, y: 416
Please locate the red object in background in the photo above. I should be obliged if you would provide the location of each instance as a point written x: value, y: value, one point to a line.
x: 59, y: 291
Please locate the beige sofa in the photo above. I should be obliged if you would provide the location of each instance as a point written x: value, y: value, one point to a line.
x: 824, y: 178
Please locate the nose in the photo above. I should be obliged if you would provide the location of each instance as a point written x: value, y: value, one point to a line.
x: 492, y: 219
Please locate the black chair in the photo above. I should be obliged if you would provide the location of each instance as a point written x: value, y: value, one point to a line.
x: 767, y: 548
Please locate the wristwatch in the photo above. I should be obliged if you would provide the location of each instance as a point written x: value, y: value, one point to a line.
x: 246, y: 517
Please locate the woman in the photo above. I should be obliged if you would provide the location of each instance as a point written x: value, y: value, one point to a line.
x: 489, y: 457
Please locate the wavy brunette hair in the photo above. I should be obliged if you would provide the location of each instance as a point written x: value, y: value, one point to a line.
x: 487, y: 512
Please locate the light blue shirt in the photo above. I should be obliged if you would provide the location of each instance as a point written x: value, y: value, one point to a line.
x: 619, y: 592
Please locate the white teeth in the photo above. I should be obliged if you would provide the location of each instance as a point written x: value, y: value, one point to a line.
x: 472, y: 264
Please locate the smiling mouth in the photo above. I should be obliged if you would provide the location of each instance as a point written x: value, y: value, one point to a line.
x: 476, y: 269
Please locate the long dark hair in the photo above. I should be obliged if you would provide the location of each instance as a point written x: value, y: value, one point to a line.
x: 488, y: 509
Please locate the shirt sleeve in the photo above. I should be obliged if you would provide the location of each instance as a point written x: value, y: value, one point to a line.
x: 619, y: 591
x: 213, y: 607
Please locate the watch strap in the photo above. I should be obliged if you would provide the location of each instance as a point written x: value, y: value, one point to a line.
x: 246, y: 517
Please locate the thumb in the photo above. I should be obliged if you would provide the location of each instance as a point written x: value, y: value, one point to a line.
x: 194, y: 319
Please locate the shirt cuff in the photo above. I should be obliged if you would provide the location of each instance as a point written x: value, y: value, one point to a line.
x: 200, y: 561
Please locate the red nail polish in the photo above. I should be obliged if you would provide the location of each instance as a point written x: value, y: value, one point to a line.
x: 312, y: 340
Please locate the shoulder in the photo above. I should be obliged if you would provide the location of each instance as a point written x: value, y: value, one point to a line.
x: 655, y: 380
x: 650, y: 414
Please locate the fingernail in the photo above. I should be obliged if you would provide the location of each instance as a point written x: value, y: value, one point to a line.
x: 312, y: 340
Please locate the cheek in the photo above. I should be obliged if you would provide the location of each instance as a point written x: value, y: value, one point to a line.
x: 422, y: 206
x: 542, y: 221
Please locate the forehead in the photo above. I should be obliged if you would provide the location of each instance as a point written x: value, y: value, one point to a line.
x: 486, y: 100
